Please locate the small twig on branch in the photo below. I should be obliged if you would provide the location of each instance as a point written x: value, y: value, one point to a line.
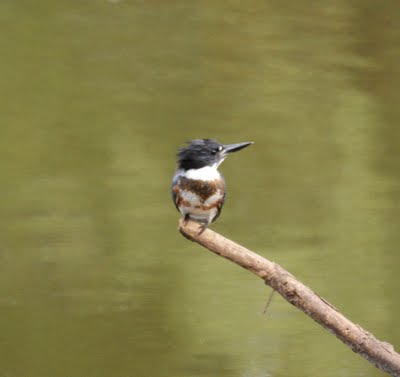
x: 269, y: 301
x: 379, y: 353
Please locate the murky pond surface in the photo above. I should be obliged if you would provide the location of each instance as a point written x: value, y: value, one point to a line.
x: 95, y: 97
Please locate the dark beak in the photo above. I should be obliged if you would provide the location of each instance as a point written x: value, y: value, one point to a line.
x: 229, y: 148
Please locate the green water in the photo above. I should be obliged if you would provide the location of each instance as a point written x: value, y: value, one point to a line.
x: 95, y: 97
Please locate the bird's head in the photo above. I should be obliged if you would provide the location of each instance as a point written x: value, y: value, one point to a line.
x: 200, y: 153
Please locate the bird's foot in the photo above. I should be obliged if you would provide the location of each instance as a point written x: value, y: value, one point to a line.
x: 185, y: 219
x: 203, y: 227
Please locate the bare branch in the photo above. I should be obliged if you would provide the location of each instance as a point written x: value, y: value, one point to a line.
x: 379, y: 353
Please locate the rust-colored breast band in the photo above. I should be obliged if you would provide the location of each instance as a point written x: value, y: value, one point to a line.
x: 204, y: 189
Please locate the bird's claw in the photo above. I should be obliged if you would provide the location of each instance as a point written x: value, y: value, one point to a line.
x: 203, y: 227
x: 185, y: 219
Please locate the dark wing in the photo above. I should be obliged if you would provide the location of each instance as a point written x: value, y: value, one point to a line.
x: 219, y: 208
x: 221, y: 203
x: 175, y: 188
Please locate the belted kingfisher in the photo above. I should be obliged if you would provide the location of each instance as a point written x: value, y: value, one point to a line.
x: 198, y: 188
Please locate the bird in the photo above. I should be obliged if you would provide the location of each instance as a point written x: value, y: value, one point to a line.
x: 198, y: 188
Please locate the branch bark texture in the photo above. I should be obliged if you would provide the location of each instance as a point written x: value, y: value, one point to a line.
x: 379, y: 353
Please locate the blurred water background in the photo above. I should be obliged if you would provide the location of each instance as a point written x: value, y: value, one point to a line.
x: 95, y: 98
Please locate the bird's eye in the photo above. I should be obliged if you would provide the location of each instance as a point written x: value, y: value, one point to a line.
x: 216, y: 150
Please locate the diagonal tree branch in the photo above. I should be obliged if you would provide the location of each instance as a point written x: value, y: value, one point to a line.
x: 379, y: 353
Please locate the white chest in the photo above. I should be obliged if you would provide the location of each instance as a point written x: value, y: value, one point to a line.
x: 208, y: 173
